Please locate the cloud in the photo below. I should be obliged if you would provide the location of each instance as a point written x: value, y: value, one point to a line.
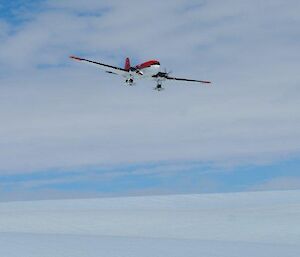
x: 56, y: 114
x: 279, y: 183
x: 4, y: 27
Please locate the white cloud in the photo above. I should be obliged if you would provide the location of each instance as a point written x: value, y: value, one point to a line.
x: 279, y: 183
x: 69, y: 115
x: 4, y: 27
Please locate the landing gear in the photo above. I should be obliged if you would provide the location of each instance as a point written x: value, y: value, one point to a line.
x: 158, y: 87
x: 129, y: 82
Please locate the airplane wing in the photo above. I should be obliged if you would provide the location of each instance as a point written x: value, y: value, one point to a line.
x: 107, y: 68
x: 164, y: 75
x: 190, y: 80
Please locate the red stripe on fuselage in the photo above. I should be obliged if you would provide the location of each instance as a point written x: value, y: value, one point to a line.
x: 147, y: 64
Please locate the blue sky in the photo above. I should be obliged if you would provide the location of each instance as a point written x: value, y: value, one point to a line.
x: 73, y: 131
x: 160, y: 179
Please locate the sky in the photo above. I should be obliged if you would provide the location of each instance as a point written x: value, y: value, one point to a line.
x: 70, y: 130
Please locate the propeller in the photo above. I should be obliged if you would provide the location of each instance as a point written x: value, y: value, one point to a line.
x: 166, y: 73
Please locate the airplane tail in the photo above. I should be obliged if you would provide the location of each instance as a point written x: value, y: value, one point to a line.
x: 127, y: 64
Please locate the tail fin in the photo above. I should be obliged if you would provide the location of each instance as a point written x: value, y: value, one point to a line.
x: 127, y: 64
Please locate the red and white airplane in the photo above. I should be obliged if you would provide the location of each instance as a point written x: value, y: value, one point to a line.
x: 149, y: 70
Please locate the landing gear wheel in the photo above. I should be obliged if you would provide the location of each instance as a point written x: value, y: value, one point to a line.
x: 158, y: 87
x: 129, y: 82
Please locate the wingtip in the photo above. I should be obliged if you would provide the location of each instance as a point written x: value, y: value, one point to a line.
x: 75, y: 58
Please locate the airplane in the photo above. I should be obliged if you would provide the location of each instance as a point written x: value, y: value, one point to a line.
x: 149, y: 70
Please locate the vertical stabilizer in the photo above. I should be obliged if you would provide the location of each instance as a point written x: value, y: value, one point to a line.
x: 127, y: 64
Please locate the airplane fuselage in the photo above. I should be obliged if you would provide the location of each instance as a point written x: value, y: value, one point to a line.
x: 146, y: 69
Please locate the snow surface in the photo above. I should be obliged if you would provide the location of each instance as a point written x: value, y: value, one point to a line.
x: 257, y: 224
